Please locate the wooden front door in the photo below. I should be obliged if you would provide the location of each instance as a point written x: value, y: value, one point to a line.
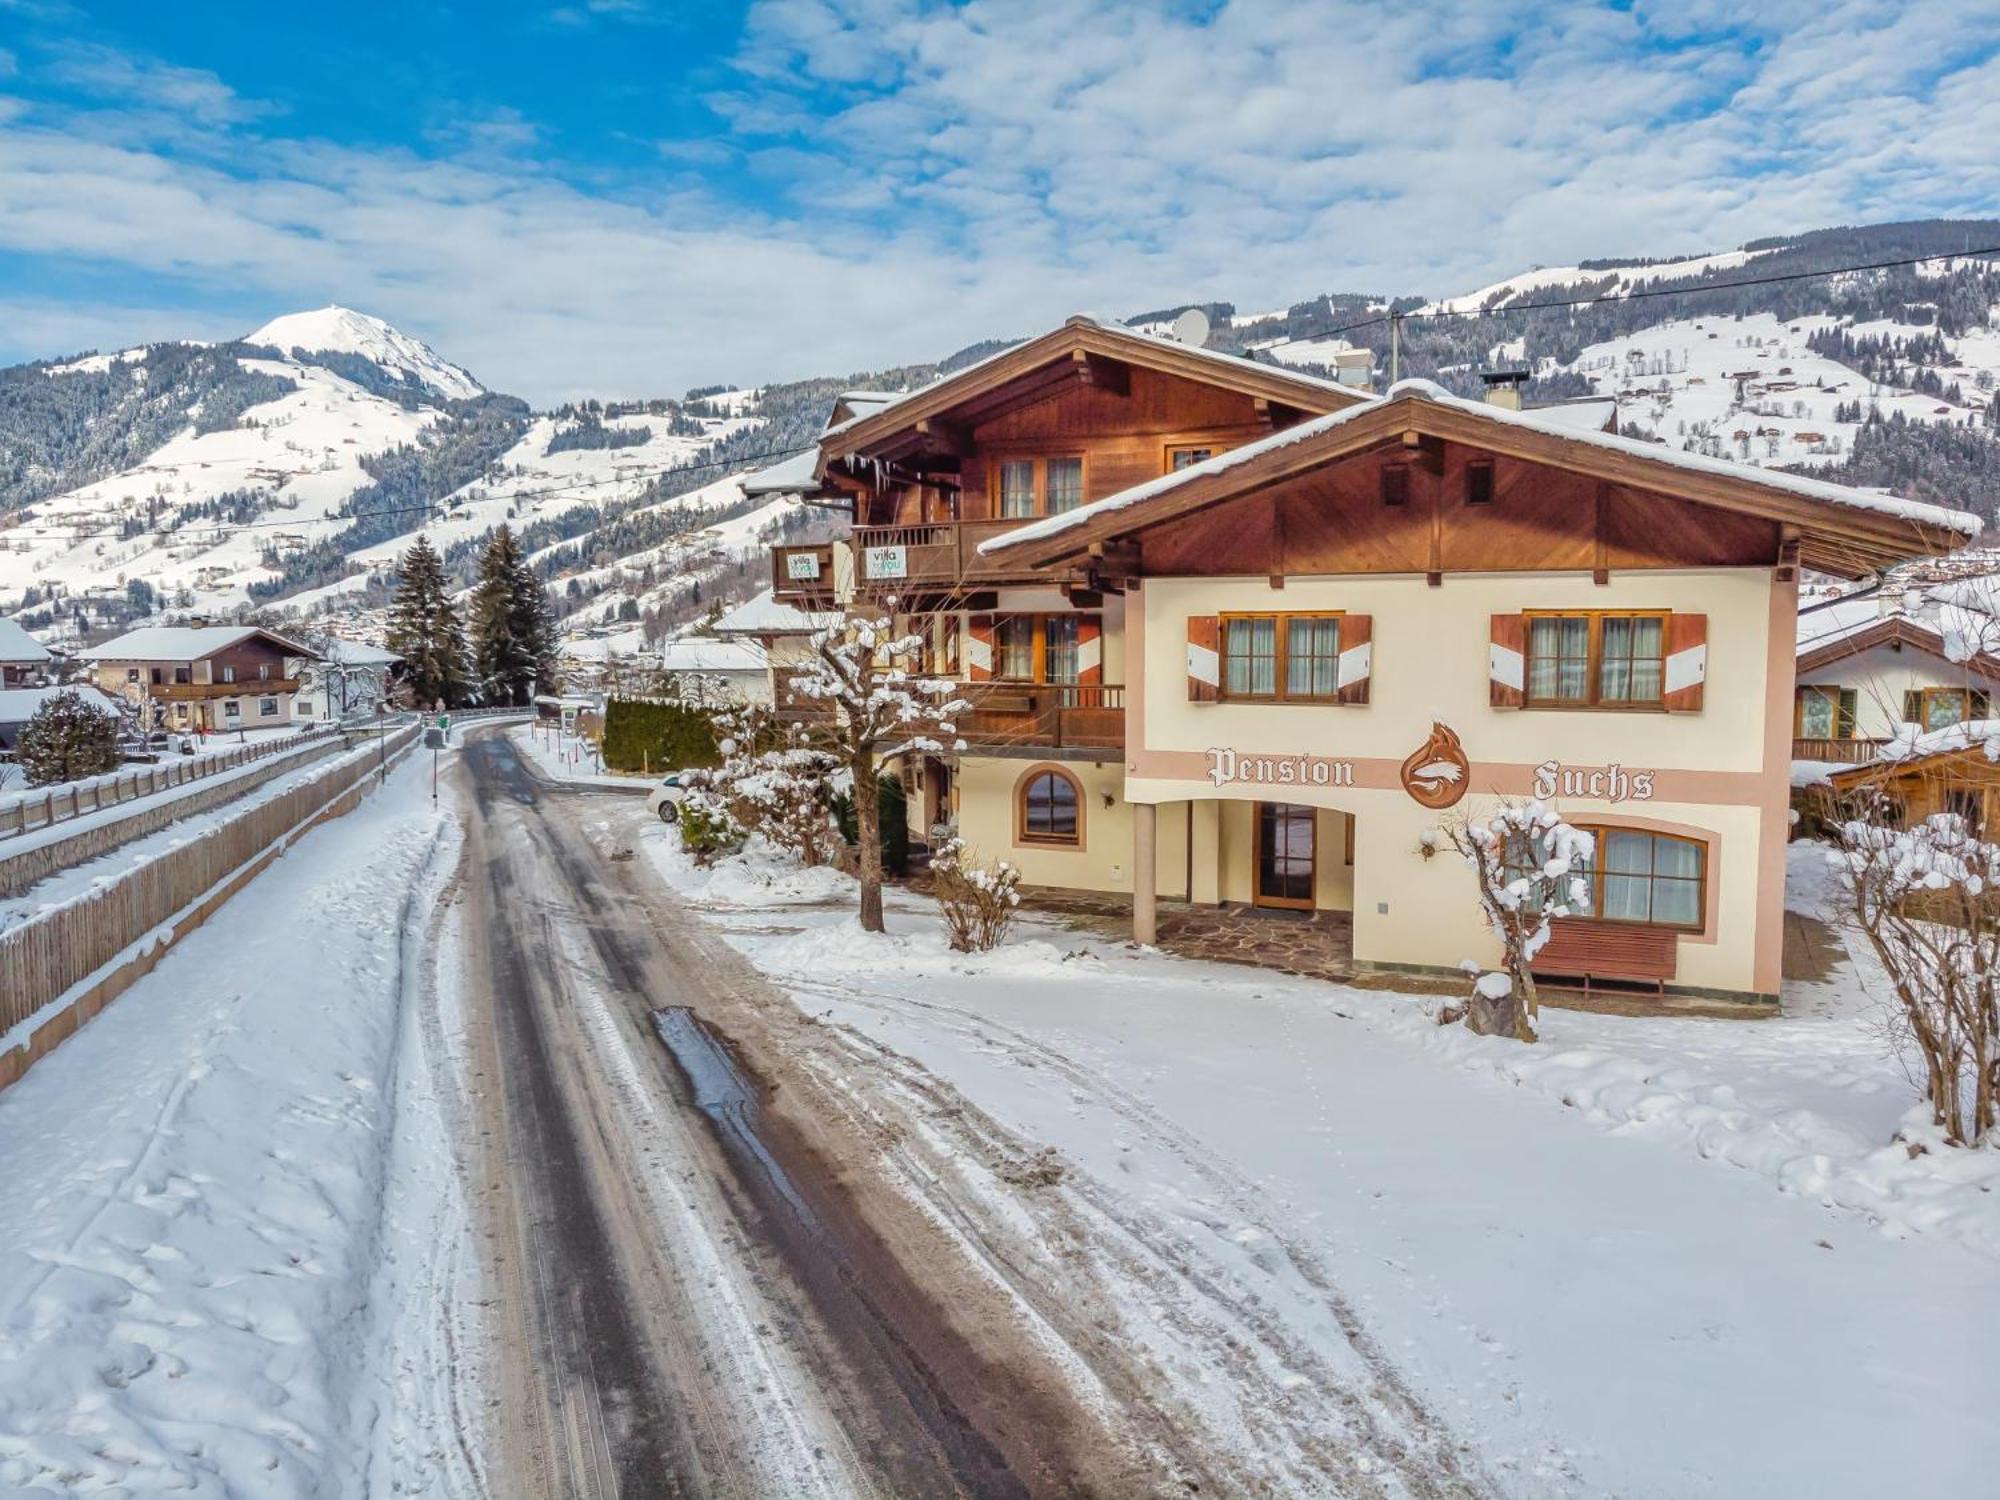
x: 1286, y: 854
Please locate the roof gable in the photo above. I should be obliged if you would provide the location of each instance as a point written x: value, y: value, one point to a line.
x: 1082, y: 353
x: 1842, y: 531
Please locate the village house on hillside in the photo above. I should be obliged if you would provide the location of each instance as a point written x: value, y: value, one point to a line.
x: 23, y: 659
x: 346, y: 678
x: 1239, y: 640
x: 204, y: 677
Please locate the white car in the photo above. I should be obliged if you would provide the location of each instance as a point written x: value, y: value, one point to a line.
x: 664, y: 801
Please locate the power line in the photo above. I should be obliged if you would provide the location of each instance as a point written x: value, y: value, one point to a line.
x: 1603, y: 298
x: 224, y: 529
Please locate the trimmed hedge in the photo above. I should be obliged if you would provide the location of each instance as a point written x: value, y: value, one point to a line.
x: 660, y: 737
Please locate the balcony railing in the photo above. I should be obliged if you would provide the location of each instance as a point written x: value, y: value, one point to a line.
x: 935, y: 553
x: 188, y: 692
x: 1846, y: 752
x: 1014, y: 715
x: 1051, y: 716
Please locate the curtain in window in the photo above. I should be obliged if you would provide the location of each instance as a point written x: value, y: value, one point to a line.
x: 1815, y: 714
x: 1017, y: 488
x: 1014, y: 643
x: 1312, y: 658
x: 1627, y: 860
x: 1632, y: 660
x: 1251, y: 647
x: 1065, y: 480
x: 1942, y: 710
x: 1677, y: 881
x: 1059, y: 663
x: 1558, y: 658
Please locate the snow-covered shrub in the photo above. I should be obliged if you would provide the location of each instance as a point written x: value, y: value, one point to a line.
x: 978, y: 901
x: 67, y: 738
x: 1926, y: 897
x: 1528, y: 868
x: 707, y: 830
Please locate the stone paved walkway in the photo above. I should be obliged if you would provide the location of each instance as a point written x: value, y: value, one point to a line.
x: 1317, y: 945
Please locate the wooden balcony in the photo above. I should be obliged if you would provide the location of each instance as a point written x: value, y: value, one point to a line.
x: 195, y: 692
x: 937, y: 555
x: 802, y: 576
x: 1845, y: 752
x: 1040, y: 718
x: 1017, y: 719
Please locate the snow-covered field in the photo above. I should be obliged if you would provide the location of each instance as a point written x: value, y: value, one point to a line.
x: 1646, y: 1258
x: 235, y: 1258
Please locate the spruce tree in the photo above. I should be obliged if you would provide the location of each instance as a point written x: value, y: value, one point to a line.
x: 424, y: 628
x: 509, y: 623
x: 66, y: 739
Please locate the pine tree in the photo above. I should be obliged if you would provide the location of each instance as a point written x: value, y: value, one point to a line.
x: 424, y: 628
x: 510, y: 630
x: 66, y: 738
x: 534, y: 623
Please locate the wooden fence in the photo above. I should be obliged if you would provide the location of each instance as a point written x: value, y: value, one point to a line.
x: 22, y: 868
x: 47, y: 956
x: 29, y: 811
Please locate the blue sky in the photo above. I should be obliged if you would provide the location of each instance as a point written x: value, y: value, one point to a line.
x: 628, y: 197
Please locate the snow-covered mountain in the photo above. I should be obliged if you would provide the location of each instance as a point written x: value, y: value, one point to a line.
x: 341, y: 330
x: 286, y: 471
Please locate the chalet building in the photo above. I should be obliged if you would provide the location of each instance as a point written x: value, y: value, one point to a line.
x: 23, y: 659
x: 346, y: 679
x: 204, y: 677
x: 1892, y: 662
x: 781, y: 633
x: 1241, y: 639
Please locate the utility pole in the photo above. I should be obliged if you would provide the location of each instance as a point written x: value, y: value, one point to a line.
x: 1395, y: 347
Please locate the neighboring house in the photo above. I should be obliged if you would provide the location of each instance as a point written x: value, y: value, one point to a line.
x: 1870, y: 663
x: 1244, y: 645
x: 18, y: 705
x: 706, y: 670
x: 204, y: 677
x: 783, y: 633
x: 1950, y: 770
x: 347, y: 679
x: 23, y: 659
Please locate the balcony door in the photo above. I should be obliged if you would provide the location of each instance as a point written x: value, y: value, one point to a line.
x: 1287, y: 852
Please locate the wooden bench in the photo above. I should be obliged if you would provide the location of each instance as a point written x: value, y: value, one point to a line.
x: 1623, y: 951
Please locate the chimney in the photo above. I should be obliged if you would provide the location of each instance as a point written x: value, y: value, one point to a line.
x: 1503, y: 387
x: 1353, y: 366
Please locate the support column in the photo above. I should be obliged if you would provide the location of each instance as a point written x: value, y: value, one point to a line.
x: 1145, y: 872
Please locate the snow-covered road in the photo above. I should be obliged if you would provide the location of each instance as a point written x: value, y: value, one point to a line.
x: 1586, y: 1286
x: 234, y: 1245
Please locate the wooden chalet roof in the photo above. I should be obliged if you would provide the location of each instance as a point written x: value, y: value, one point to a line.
x: 1891, y: 630
x: 1083, y: 352
x: 1846, y: 532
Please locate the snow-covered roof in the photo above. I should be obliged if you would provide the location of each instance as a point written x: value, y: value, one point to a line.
x: 18, y: 648
x: 1430, y: 393
x: 791, y: 476
x: 764, y: 615
x: 18, y: 705
x: 699, y: 653
x: 1961, y: 617
x: 186, y: 643
x: 1586, y: 416
x: 1236, y: 363
x: 355, y: 654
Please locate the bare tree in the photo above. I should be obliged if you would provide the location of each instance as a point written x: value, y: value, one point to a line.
x: 1926, y: 896
x: 878, y: 711
x: 1528, y: 868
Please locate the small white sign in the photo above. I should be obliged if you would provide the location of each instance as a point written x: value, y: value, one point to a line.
x: 802, y: 565
x: 887, y: 562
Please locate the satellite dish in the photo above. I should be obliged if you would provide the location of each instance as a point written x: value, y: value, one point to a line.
x: 1191, y: 327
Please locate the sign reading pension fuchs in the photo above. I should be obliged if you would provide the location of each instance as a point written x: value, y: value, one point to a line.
x: 1613, y: 783
x: 1226, y: 766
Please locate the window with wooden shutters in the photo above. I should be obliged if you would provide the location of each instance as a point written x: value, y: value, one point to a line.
x: 1294, y: 658
x: 1014, y: 648
x: 1506, y: 656
x: 1059, y: 662
x: 1615, y: 660
x: 1312, y: 656
x: 980, y: 631
x: 1250, y: 656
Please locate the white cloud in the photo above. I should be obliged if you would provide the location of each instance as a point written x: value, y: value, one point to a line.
x: 958, y: 172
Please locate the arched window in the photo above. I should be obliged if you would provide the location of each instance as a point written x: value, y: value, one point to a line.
x: 1049, y: 809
